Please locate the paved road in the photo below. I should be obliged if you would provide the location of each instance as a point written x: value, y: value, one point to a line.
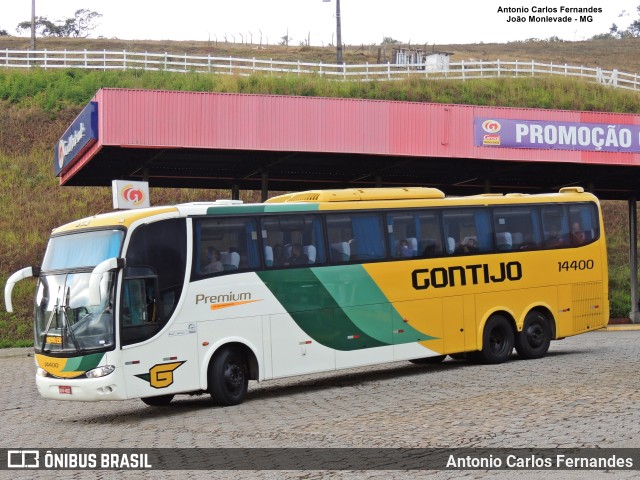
x: 585, y: 393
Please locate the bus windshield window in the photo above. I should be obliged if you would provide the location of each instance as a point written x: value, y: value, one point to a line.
x: 65, y: 321
x: 82, y: 250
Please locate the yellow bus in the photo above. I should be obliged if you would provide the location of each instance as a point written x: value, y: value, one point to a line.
x: 203, y: 297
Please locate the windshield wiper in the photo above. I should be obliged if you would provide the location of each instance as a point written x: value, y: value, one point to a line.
x: 65, y: 323
x: 55, y: 312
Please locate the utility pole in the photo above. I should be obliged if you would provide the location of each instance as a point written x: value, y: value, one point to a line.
x: 33, y: 24
x: 338, y: 34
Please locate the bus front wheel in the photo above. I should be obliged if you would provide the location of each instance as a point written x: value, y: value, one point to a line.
x: 535, y: 338
x: 497, y: 340
x: 228, y: 377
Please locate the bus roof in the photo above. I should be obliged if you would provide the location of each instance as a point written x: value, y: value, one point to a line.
x: 315, y: 200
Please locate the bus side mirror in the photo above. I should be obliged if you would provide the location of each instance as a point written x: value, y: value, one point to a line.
x: 113, y: 263
x: 15, y: 278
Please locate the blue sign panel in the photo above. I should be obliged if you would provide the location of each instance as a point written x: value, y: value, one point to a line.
x: 596, y: 137
x: 82, y: 133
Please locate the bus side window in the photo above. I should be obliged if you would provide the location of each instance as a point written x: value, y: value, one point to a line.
x: 516, y: 228
x: 555, y: 225
x: 584, y: 224
x: 356, y: 237
x: 281, y: 232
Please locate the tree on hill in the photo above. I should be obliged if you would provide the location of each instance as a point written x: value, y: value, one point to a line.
x: 80, y: 25
x: 633, y: 30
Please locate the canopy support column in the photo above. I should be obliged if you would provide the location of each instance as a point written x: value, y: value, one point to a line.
x: 265, y: 186
x: 633, y: 259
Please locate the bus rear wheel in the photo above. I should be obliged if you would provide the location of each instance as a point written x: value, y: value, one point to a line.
x: 159, y: 401
x: 228, y: 377
x: 497, y: 340
x: 535, y: 338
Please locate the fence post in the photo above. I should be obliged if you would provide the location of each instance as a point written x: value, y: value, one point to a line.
x: 124, y: 59
x: 230, y: 65
x: 6, y: 56
x: 104, y: 60
x: 516, y: 68
x: 85, y: 58
x: 44, y: 58
x: 498, y: 62
x: 209, y: 62
x: 389, y: 69
x: 533, y: 69
x: 565, y: 69
x: 253, y: 66
x: 146, y: 60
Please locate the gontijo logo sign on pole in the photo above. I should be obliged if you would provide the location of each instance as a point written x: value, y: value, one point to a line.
x: 597, y: 137
x: 82, y: 133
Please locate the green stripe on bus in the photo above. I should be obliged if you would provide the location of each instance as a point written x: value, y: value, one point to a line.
x: 351, y: 285
x: 84, y: 363
x: 340, y: 307
x: 315, y: 311
x: 268, y: 208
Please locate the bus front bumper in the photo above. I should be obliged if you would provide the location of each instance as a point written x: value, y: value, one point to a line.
x: 109, y: 387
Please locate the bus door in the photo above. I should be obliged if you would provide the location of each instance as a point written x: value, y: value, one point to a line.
x: 154, y: 363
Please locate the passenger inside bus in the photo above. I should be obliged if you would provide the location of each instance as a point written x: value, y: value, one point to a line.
x: 578, y: 236
x: 403, y: 250
x: 278, y: 255
x: 469, y: 245
x: 298, y: 257
x: 212, y: 261
x: 554, y: 240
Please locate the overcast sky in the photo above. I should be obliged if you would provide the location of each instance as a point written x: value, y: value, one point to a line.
x: 363, y: 21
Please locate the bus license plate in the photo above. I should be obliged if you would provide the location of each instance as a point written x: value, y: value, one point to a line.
x: 64, y: 390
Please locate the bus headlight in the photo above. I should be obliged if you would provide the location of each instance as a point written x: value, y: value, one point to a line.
x: 41, y: 372
x: 100, y: 371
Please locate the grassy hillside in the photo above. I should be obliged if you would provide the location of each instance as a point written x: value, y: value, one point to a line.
x: 36, y: 107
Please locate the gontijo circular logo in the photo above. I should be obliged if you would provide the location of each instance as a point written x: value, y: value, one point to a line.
x: 132, y: 194
x: 491, y: 126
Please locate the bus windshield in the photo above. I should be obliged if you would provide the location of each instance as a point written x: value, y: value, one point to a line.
x: 65, y: 321
x: 82, y: 250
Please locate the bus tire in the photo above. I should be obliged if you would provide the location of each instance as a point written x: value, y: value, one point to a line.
x: 497, y: 340
x: 228, y: 377
x: 428, y: 360
x: 534, y: 339
x: 159, y: 401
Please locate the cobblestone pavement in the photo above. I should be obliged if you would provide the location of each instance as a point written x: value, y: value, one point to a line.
x: 584, y: 393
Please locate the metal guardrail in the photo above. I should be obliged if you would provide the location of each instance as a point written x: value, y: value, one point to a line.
x: 122, y: 60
